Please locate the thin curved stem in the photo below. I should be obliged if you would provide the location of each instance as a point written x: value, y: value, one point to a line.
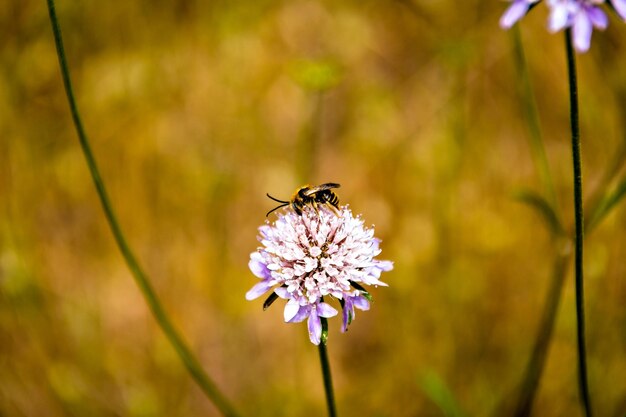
x: 579, y: 225
x: 328, y: 381
x: 189, y: 360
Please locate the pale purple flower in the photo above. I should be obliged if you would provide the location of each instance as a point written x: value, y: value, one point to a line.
x: 580, y: 15
x: 315, y: 257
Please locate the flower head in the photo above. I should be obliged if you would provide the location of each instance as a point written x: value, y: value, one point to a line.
x: 312, y: 258
x: 580, y: 15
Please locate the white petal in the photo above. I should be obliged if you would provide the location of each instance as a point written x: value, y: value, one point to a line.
x: 559, y: 18
x: 582, y: 32
x: 282, y: 293
x: 291, y: 309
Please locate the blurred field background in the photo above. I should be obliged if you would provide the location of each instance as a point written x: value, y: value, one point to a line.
x: 196, y: 109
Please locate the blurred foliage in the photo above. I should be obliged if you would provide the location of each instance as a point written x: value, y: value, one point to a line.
x: 197, y: 109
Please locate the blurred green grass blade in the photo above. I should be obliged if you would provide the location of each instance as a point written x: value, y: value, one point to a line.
x: 438, y: 392
x: 520, y: 402
x: 186, y: 356
x: 543, y: 207
x: 607, y: 203
x: 531, y: 115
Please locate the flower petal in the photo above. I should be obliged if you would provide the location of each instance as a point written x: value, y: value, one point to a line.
x: 620, y: 8
x: 348, y: 313
x: 283, y: 293
x: 385, y: 265
x: 326, y: 310
x: 515, y: 12
x: 258, y: 290
x: 598, y: 17
x: 257, y: 266
x: 303, y: 313
x: 292, y: 308
x: 315, y: 328
x: 582, y: 32
x: 361, y: 303
x: 559, y: 17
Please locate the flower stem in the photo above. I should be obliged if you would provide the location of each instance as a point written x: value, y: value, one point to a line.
x: 328, y: 381
x: 579, y: 225
x: 189, y: 360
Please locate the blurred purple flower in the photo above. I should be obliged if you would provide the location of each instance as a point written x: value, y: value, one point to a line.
x: 581, y: 15
x: 318, y: 254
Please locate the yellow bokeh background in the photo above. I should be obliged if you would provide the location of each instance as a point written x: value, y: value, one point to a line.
x: 196, y: 109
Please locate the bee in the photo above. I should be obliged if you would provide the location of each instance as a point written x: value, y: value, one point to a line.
x: 321, y: 195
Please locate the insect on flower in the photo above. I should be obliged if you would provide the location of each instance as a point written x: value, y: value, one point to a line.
x: 321, y: 195
x: 313, y: 254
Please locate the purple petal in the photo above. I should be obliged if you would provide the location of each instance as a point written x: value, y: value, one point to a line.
x: 361, y: 303
x: 620, y: 7
x: 582, y: 32
x: 301, y: 313
x: 598, y: 17
x: 348, y: 313
x: 292, y: 308
x: 315, y: 328
x: 380, y: 267
x: 515, y: 12
x: 257, y: 266
x: 385, y: 265
x: 258, y: 290
x: 350, y: 302
x: 326, y: 310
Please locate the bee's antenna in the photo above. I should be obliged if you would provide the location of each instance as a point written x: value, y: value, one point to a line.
x: 277, y: 200
x: 286, y: 203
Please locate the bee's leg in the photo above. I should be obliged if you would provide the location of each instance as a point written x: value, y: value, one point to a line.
x: 334, y: 209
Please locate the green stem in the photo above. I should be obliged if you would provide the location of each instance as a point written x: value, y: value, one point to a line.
x: 181, y: 348
x: 579, y: 222
x: 328, y: 381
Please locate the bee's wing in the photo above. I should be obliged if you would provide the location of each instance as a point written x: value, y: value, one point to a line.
x: 322, y: 187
